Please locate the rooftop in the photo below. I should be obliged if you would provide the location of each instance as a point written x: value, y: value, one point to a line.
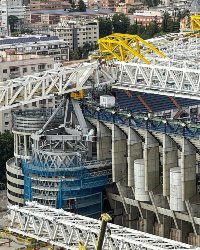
x: 67, y: 13
x: 17, y: 57
x: 27, y: 39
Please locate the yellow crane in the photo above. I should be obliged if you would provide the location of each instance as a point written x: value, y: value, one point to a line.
x: 125, y: 47
x: 195, y: 22
x: 105, y: 218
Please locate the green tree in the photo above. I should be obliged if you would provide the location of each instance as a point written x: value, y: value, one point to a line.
x: 105, y: 27
x: 167, y: 23
x: 151, y: 3
x: 152, y: 29
x: 133, y: 29
x: 81, y: 6
x: 120, y: 23
x: 12, y: 21
x: 6, y: 152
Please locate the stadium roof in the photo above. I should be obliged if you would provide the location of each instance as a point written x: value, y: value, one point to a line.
x: 195, y: 6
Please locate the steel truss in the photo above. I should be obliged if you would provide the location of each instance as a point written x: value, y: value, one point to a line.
x: 64, y: 229
x: 50, y: 83
x: 163, y: 77
x: 182, y: 49
x: 195, y: 22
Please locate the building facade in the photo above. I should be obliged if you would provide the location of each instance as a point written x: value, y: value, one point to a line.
x: 37, y: 45
x: 145, y: 17
x: 78, y: 33
x: 50, y: 4
x: 14, y: 66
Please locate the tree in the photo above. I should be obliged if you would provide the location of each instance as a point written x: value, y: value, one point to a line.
x: 6, y: 152
x: 152, y: 29
x: 167, y: 23
x: 105, y: 27
x: 81, y: 6
x: 120, y: 23
x: 133, y: 29
x: 12, y: 21
x: 73, y: 5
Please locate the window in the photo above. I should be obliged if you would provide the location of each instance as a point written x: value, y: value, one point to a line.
x: 24, y: 70
x: 6, y: 123
x: 6, y: 115
x: 4, y: 70
x: 33, y: 69
x: 41, y: 66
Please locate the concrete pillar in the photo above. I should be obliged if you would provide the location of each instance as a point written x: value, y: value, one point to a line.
x: 170, y: 160
x: 104, y: 141
x: 149, y: 216
x: 132, y: 217
x: 119, y: 156
x: 166, y: 221
x: 17, y: 144
x: 151, y: 161
x: 134, y: 152
x: 186, y: 229
x: 25, y: 146
x: 118, y: 213
x: 188, y: 170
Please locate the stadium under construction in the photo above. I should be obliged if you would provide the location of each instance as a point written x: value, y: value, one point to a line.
x: 124, y: 137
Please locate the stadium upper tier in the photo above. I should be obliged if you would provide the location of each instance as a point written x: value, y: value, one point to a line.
x: 154, y: 103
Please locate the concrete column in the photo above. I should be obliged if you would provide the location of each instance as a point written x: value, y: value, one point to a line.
x: 132, y: 217
x: 166, y: 221
x: 151, y: 161
x: 186, y: 228
x: 149, y: 216
x: 119, y: 155
x: 170, y: 160
x: 17, y: 144
x: 104, y: 141
x: 25, y: 146
x: 188, y: 170
x: 134, y: 152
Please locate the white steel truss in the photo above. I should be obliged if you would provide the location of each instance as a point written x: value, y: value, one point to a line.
x: 166, y: 77
x: 182, y: 49
x: 163, y: 77
x: 50, y: 83
x: 64, y: 229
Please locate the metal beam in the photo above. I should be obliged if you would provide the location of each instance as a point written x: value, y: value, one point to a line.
x: 64, y: 229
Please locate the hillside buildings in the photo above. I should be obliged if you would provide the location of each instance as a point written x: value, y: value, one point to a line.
x: 37, y: 45
x: 77, y: 33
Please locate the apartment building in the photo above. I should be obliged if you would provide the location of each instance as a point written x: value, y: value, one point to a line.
x: 145, y: 17
x: 37, y: 45
x: 109, y: 4
x: 77, y: 33
x: 52, y: 17
x: 10, y: 8
x: 48, y: 4
x: 15, y: 65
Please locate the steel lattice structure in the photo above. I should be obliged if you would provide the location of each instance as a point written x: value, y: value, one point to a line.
x: 64, y: 229
x: 124, y: 47
x: 164, y: 77
x: 49, y: 83
x: 195, y: 22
